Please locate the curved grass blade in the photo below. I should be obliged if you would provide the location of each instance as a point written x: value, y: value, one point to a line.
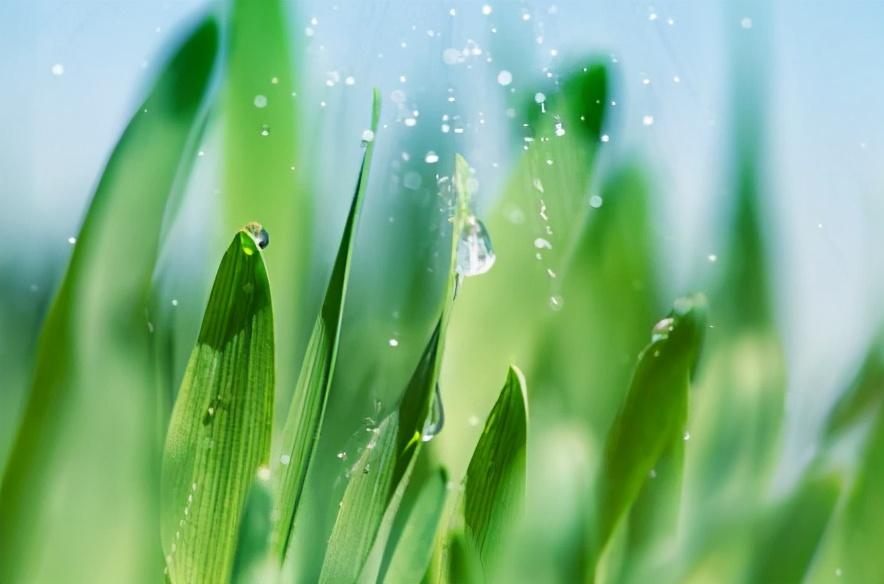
x: 411, y: 542
x: 787, y: 549
x: 495, y: 480
x: 863, y: 396
x: 311, y: 394
x: 388, y: 463
x: 94, y: 365
x: 651, y: 418
x: 219, y: 434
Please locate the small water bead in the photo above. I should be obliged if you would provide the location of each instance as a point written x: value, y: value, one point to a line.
x: 746, y: 22
x: 539, y: 97
x: 431, y: 157
x: 258, y: 233
x: 475, y: 254
x: 260, y: 101
x: 504, y: 77
x: 342, y: 455
x: 556, y: 302
x: 393, y: 343
x: 367, y: 136
x: 712, y: 257
x: 595, y: 201
x: 560, y: 129
x: 662, y: 329
x: 72, y: 240
x: 265, y: 130
x: 541, y: 243
x: 687, y: 436
x: 436, y: 421
x: 350, y: 80
x: 285, y: 459
x: 486, y: 9
x: 648, y: 120
x: 57, y: 69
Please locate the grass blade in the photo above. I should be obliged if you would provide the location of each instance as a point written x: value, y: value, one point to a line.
x: 495, y: 480
x: 785, y: 553
x: 219, y: 434
x: 411, y: 543
x: 652, y: 417
x: 311, y: 394
x: 388, y: 463
x: 253, y: 542
x: 93, y: 366
x: 464, y: 565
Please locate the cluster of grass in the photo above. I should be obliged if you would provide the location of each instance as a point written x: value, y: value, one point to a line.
x: 654, y: 431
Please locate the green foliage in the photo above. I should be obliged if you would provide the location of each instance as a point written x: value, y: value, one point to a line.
x: 219, y: 435
x: 311, y: 394
x: 93, y: 371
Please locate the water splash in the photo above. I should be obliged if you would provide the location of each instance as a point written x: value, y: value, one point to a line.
x: 434, y: 423
x: 475, y: 254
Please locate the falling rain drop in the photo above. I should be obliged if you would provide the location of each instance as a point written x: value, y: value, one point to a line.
x: 475, y: 255
x: 434, y: 423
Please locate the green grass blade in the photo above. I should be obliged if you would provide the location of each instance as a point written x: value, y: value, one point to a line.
x: 252, y: 562
x: 366, y: 499
x: 411, y: 542
x: 495, y: 480
x: 94, y: 366
x: 311, y: 394
x: 219, y: 434
x: 464, y: 564
x: 862, y: 397
x: 788, y: 547
x: 265, y: 173
x: 652, y: 416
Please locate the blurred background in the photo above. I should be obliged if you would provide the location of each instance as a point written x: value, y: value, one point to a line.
x: 695, y: 90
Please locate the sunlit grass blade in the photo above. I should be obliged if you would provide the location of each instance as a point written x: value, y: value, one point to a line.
x: 410, y: 546
x: 495, y: 481
x: 87, y: 435
x: 651, y: 418
x: 219, y: 435
x: 464, y: 564
x: 399, y: 436
x: 790, y: 541
x: 308, y: 405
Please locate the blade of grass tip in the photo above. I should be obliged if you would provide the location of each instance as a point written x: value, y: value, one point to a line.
x: 788, y: 546
x: 411, y: 541
x: 298, y: 445
x: 464, y: 565
x: 219, y: 434
x: 88, y: 430
x: 383, y: 469
x: 494, y: 487
x: 652, y: 416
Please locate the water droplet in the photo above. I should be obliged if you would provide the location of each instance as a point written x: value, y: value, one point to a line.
x: 556, y: 302
x: 367, y: 136
x: 652, y: 474
x: 265, y: 130
x: 712, y: 257
x: 475, y: 254
x: 504, y: 77
x: 431, y: 157
x: 539, y: 97
x: 473, y: 420
x: 174, y: 302
x: 648, y: 120
x: 350, y: 80
x: 560, y: 129
x: 746, y: 22
x: 434, y: 423
x: 605, y: 138
x: 285, y: 459
x: 57, y: 69
x: 264, y: 473
x: 72, y: 240
x: 662, y: 329
x: 687, y: 436
x: 258, y: 233
x: 393, y: 342
x: 486, y: 9
x: 595, y: 201
x: 342, y: 455
x: 541, y: 243
x: 260, y: 101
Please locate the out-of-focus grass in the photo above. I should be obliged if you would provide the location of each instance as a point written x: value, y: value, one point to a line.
x: 640, y: 466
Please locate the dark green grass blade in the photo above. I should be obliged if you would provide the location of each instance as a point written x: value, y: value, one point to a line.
x: 411, y: 541
x: 652, y: 416
x: 87, y: 435
x: 311, y: 393
x: 253, y: 562
x: 787, y: 548
x: 219, y: 435
x: 495, y: 481
x: 464, y: 565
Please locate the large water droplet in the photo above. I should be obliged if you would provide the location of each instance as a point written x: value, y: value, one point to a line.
x: 662, y: 329
x: 258, y: 233
x: 434, y: 423
x: 475, y: 255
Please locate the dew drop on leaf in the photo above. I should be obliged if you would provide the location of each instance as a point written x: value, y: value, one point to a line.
x: 475, y: 254
x: 436, y: 421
